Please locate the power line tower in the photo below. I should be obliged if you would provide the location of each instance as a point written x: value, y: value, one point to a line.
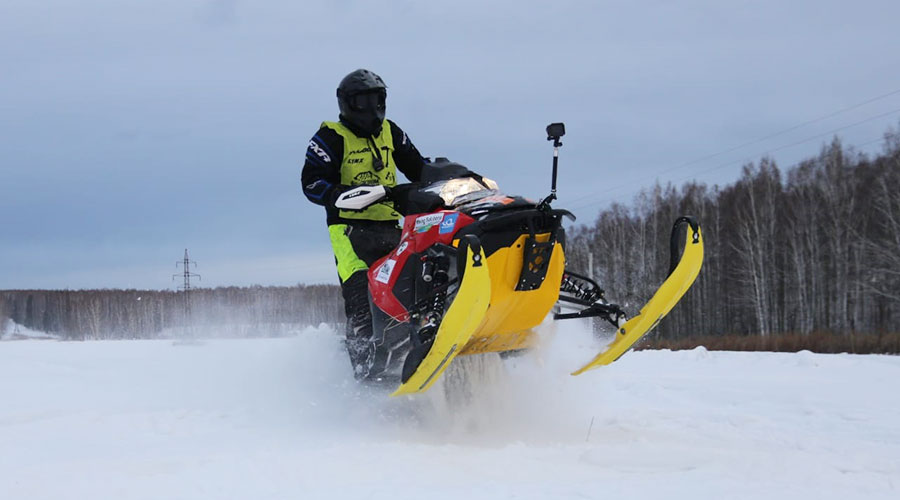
x: 186, y: 287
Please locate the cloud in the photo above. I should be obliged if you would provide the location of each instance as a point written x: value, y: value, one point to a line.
x: 146, y: 124
x: 219, y: 12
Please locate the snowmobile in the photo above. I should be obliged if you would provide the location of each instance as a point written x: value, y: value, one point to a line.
x: 476, y: 270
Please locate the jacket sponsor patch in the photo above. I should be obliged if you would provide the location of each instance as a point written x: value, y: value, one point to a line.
x: 365, y: 178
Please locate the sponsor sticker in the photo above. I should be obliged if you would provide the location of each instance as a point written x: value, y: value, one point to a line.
x: 385, y: 271
x: 425, y: 222
x: 448, y: 223
x: 402, y: 247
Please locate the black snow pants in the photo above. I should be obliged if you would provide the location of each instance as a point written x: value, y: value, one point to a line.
x: 357, y: 246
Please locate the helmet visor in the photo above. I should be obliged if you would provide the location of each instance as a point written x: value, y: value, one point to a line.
x: 368, y: 101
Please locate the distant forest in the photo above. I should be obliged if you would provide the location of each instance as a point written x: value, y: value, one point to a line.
x: 214, y: 312
x: 810, y: 251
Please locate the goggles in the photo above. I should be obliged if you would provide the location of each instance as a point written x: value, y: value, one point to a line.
x: 368, y: 100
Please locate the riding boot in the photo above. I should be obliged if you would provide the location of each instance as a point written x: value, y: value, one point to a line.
x: 368, y: 242
x: 359, y: 323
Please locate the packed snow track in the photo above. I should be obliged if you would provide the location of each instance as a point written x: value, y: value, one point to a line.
x: 283, y: 418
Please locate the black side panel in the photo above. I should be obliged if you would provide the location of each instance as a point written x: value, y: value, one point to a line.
x: 535, y: 263
x: 501, y: 230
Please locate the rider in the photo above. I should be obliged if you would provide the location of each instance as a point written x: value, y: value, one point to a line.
x: 361, y: 148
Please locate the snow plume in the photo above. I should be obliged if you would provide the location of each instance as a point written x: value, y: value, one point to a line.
x: 489, y: 400
x: 10, y: 330
x: 525, y: 397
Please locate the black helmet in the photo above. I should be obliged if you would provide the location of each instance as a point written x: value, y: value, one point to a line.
x: 361, y: 99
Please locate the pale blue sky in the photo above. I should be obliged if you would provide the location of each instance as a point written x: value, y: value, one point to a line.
x: 130, y: 130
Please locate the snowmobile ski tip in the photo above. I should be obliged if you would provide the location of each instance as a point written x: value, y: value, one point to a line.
x: 665, y: 298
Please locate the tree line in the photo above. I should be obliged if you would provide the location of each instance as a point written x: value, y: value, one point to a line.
x: 223, y: 311
x: 813, y: 249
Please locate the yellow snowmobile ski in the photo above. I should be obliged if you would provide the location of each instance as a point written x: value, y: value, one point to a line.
x: 463, y: 317
x: 665, y: 298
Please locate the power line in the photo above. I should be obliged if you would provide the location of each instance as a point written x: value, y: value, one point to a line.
x: 747, y: 159
x: 790, y: 129
x: 858, y: 145
x: 761, y: 139
x: 818, y: 136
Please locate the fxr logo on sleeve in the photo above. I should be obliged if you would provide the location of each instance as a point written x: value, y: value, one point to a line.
x: 319, y: 151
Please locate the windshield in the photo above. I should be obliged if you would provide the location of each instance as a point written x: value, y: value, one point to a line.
x: 456, y: 192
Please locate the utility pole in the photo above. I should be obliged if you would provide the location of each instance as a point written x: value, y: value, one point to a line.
x: 187, y: 274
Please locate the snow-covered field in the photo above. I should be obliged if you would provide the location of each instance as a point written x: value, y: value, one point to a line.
x: 282, y: 418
